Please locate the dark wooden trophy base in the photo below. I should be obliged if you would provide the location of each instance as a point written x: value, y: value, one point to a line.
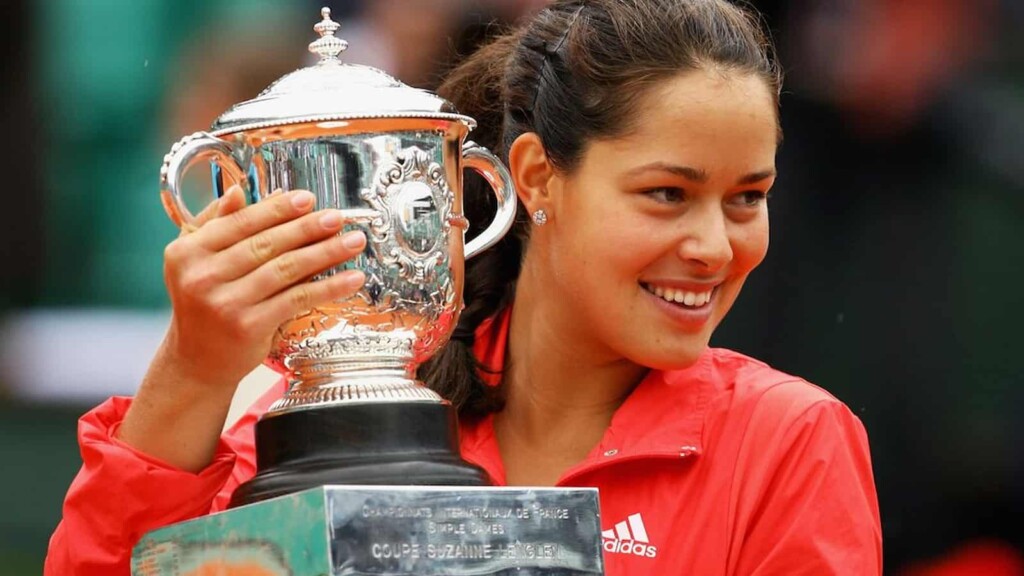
x: 407, y: 443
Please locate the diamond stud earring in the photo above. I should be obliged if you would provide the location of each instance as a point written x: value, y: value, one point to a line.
x: 540, y: 217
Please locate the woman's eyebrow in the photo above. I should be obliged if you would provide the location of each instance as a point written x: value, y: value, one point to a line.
x: 697, y: 175
x: 755, y: 177
x: 694, y: 174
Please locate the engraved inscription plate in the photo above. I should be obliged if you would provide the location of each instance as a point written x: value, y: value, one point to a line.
x: 464, y: 532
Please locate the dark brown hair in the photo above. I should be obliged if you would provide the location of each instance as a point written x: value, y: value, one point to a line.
x: 575, y: 72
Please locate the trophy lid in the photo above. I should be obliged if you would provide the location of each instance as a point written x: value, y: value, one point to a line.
x: 334, y: 90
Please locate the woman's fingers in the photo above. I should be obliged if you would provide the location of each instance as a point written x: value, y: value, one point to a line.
x: 276, y: 243
x: 248, y: 267
x: 307, y: 295
x: 296, y: 266
x: 220, y: 233
x: 232, y: 201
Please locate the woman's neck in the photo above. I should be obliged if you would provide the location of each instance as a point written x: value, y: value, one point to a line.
x: 561, y: 389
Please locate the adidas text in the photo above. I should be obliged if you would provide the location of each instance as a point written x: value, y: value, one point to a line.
x: 630, y: 547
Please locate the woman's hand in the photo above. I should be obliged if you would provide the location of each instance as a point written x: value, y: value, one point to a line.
x: 240, y: 275
x: 232, y: 281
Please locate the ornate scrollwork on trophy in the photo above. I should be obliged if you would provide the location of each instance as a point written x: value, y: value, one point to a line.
x: 415, y: 202
x: 367, y: 345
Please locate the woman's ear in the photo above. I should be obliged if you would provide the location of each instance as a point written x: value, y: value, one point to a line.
x: 531, y: 171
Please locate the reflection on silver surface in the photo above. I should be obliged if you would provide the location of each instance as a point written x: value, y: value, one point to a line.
x: 407, y: 307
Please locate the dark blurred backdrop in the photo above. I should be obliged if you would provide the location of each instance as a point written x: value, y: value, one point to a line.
x: 893, y: 279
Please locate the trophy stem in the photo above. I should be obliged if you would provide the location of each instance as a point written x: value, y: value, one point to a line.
x: 345, y: 382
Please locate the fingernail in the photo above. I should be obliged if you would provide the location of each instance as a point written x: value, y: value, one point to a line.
x: 302, y: 199
x: 330, y: 220
x: 353, y: 240
x: 354, y: 278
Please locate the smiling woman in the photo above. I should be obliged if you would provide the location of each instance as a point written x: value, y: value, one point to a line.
x: 641, y: 136
x: 666, y: 206
x: 645, y: 132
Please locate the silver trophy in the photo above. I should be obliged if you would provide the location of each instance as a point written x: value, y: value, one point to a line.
x: 391, y: 158
x: 358, y: 466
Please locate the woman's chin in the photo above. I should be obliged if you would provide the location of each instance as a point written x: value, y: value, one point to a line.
x: 679, y: 357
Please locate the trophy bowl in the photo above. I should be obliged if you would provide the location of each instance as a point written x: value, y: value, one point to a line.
x: 390, y: 157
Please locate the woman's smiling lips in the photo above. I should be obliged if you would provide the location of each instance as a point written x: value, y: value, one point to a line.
x: 685, y: 302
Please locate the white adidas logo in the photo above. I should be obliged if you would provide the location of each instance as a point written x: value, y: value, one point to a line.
x: 629, y: 537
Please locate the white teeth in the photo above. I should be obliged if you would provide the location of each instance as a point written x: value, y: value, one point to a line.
x: 692, y: 299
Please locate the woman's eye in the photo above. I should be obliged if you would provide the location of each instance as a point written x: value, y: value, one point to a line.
x: 667, y: 195
x: 750, y: 198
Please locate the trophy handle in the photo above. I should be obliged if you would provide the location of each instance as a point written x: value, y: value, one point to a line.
x: 488, y: 165
x: 183, y: 155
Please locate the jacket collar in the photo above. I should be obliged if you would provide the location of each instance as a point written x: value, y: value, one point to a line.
x: 662, y: 418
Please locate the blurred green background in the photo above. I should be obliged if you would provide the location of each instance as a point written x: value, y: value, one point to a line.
x: 893, y: 279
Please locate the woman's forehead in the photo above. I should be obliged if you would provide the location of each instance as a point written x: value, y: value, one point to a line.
x: 700, y: 118
x: 703, y: 96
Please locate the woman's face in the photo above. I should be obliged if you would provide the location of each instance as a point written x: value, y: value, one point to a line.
x: 654, y: 233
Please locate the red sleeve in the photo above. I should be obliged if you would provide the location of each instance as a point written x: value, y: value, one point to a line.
x: 813, y: 510
x: 241, y: 438
x: 120, y: 493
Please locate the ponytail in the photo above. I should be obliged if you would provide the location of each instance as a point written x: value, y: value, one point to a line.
x: 477, y: 88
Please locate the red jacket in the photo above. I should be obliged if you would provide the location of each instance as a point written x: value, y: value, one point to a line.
x: 726, y: 468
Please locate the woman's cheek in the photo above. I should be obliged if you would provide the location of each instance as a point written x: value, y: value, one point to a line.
x: 751, y: 245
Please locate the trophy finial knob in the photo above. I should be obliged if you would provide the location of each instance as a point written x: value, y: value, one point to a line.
x: 328, y: 46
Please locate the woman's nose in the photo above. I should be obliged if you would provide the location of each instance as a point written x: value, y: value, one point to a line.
x: 706, y: 241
